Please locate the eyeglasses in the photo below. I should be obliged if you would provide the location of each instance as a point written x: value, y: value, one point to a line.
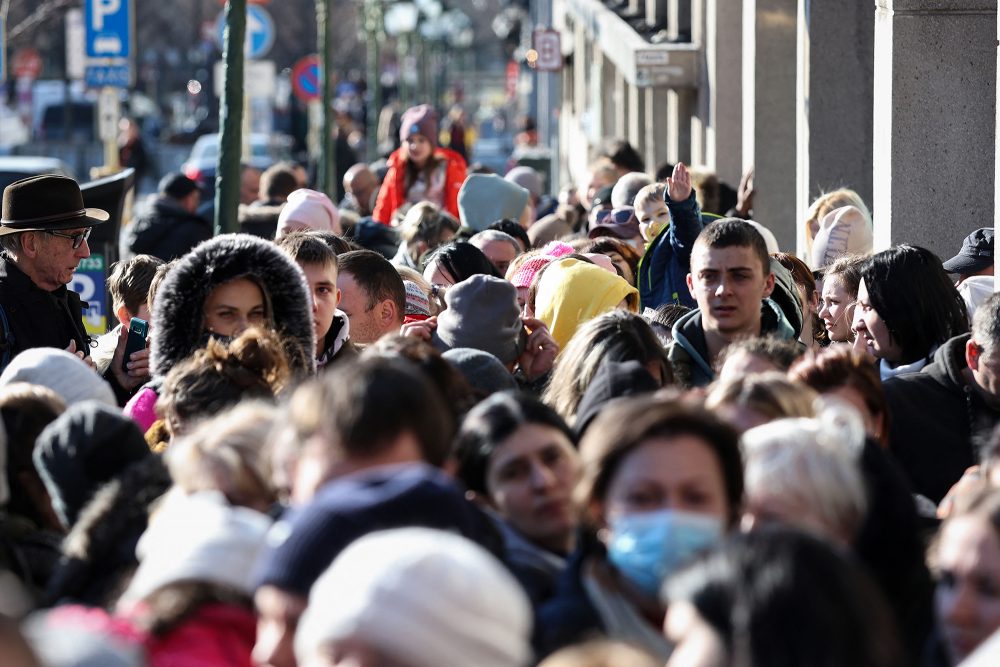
x: 77, y: 238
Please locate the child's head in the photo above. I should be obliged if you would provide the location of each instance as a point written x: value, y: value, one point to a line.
x: 129, y: 286
x: 651, y: 210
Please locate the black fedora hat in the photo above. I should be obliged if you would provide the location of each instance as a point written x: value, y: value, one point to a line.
x: 46, y: 202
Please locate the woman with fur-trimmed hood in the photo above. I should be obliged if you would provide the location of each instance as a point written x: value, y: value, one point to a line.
x: 218, y: 289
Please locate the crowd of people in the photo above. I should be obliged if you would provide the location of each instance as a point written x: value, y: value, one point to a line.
x: 456, y: 420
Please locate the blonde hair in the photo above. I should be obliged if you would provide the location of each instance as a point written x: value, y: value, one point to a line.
x: 829, y: 201
x: 707, y: 189
x: 653, y: 191
x: 228, y: 453
x: 812, y: 463
x: 770, y: 394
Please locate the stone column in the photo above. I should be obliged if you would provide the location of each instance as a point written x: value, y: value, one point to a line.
x: 620, y: 104
x: 769, y: 48
x: 636, y: 118
x: 656, y: 127
x: 834, y: 102
x: 680, y: 109
x: 722, y: 90
x: 934, y: 121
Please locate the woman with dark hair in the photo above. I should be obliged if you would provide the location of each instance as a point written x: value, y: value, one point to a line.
x: 907, y: 307
x: 452, y: 263
x: 779, y: 598
x: 661, y: 483
x: 519, y: 458
x: 217, y: 290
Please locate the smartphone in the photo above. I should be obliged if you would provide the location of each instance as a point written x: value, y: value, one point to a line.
x: 138, y: 329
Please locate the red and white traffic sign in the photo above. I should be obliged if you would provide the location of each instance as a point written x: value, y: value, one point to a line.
x: 27, y: 63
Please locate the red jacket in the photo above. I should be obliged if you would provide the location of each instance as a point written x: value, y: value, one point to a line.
x: 217, y: 635
x: 392, y: 194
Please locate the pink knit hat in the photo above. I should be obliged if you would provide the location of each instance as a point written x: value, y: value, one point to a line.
x: 557, y: 249
x: 308, y: 210
x: 527, y: 271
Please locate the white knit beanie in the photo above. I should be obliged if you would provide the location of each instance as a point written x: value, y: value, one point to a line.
x: 424, y: 597
x: 66, y: 374
x: 198, y: 537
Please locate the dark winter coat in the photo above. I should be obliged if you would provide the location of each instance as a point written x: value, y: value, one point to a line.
x: 935, y: 416
x: 688, y: 354
x: 260, y: 218
x: 166, y: 231
x: 569, y: 617
x: 179, y: 306
x: 663, y: 269
x: 99, y: 552
x: 38, y: 317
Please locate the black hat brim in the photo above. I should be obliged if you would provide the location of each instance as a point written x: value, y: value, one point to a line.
x: 966, y: 264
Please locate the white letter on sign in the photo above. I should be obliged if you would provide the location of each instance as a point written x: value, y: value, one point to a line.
x: 102, y: 8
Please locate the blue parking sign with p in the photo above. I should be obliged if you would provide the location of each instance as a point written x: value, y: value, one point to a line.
x: 108, y: 28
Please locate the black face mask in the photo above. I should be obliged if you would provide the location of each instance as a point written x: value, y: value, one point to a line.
x: 217, y: 337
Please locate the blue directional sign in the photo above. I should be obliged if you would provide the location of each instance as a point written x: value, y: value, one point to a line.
x: 260, y: 31
x: 108, y: 28
x: 102, y: 76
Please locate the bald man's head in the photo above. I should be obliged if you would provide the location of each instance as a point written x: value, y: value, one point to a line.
x: 361, y: 184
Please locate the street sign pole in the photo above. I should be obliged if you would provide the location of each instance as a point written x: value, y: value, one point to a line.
x: 227, y: 178
x: 326, y: 167
x: 108, y: 114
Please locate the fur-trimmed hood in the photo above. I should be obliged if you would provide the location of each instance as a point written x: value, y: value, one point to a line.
x: 178, y: 310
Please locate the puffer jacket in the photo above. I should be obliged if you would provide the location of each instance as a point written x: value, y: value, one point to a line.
x: 392, y: 194
x: 166, y: 231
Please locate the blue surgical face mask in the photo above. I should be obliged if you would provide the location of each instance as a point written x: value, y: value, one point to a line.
x: 647, y: 547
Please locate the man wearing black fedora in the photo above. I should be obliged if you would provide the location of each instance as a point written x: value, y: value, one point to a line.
x: 44, y: 228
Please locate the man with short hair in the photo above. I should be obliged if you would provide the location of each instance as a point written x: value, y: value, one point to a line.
x: 358, y: 460
x: 260, y: 218
x: 731, y: 280
x: 372, y: 295
x: 500, y: 248
x: 44, y: 228
x: 938, y: 413
x: 170, y: 225
x: 319, y: 263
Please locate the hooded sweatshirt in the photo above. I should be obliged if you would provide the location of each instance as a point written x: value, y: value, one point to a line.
x: 934, y: 417
x: 572, y: 292
x: 688, y: 354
